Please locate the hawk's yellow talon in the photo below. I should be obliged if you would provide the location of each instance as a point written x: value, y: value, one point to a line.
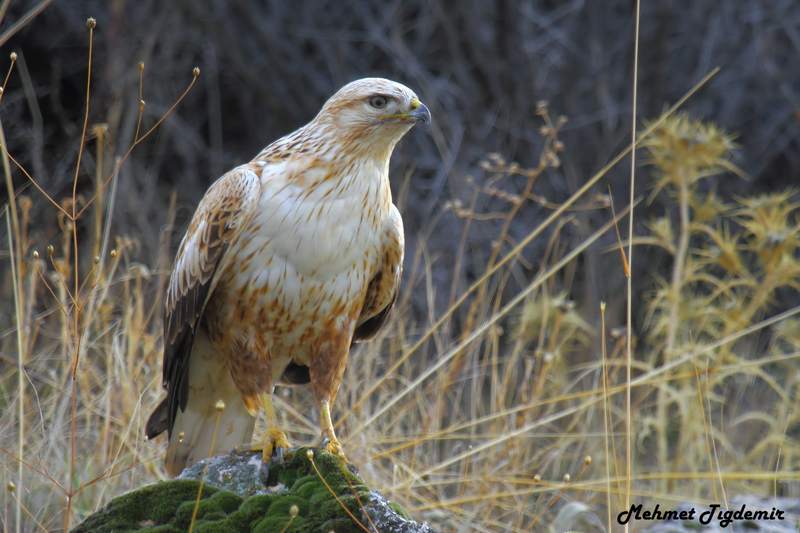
x: 273, y: 439
x: 335, y: 448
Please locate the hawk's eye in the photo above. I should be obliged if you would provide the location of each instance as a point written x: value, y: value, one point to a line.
x: 378, y: 102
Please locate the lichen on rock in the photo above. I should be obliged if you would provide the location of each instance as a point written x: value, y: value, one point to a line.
x: 294, y: 498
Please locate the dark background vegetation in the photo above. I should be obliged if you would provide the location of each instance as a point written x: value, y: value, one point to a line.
x: 480, y: 65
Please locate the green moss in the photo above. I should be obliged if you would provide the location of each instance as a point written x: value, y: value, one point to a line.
x: 219, y: 526
x: 155, y: 504
x: 227, y: 501
x: 157, y: 529
x: 256, y: 505
x: 250, y: 513
x: 308, y: 486
x: 275, y: 524
x: 283, y: 506
x: 341, y: 525
x: 168, y: 507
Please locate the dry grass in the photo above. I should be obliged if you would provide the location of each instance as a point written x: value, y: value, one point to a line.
x: 490, y: 417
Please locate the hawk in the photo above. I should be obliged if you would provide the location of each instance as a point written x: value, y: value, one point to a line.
x: 288, y: 261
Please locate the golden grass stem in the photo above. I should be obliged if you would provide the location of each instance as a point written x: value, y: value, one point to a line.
x: 629, y: 293
x: 15, y: 249
x: 80, y: 155
x: 625, y: 266
x: 141, y: 101
x: 649, y: 379
x: 463, y: 486
x: 20, y: 505
x: 100, y: 135
x: 705, y: 425
x: 20, y: 363
x: 606, y: 412
x: 358, y: 499
x: 480, y: 330
x: 77, y: 318
x: 714, y: 446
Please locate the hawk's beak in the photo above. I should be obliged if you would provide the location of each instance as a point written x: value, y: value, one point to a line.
x: 419, y: 113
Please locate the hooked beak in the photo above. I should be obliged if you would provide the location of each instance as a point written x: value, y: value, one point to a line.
x: 419, y: 113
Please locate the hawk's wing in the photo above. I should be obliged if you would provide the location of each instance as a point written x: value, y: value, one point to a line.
x: 385, y: 284
x: 218, y: 221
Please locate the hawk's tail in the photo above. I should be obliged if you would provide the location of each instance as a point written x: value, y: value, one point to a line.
x: 210, y: 383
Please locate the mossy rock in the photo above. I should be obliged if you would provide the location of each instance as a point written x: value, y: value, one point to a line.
x: 341, y: 503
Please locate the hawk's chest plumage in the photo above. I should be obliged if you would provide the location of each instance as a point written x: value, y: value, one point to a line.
x: 299, y: 272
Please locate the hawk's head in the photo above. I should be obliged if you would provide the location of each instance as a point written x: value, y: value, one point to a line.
x: 373, y: 111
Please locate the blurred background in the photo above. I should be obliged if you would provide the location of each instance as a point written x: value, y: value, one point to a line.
x: 481, y: 67
x: 470, y: 187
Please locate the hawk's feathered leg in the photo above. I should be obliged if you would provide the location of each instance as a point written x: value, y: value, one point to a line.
x: 326, y: 371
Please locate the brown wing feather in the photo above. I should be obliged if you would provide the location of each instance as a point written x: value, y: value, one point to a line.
x: 223, y: 211
x: 385, y: 284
